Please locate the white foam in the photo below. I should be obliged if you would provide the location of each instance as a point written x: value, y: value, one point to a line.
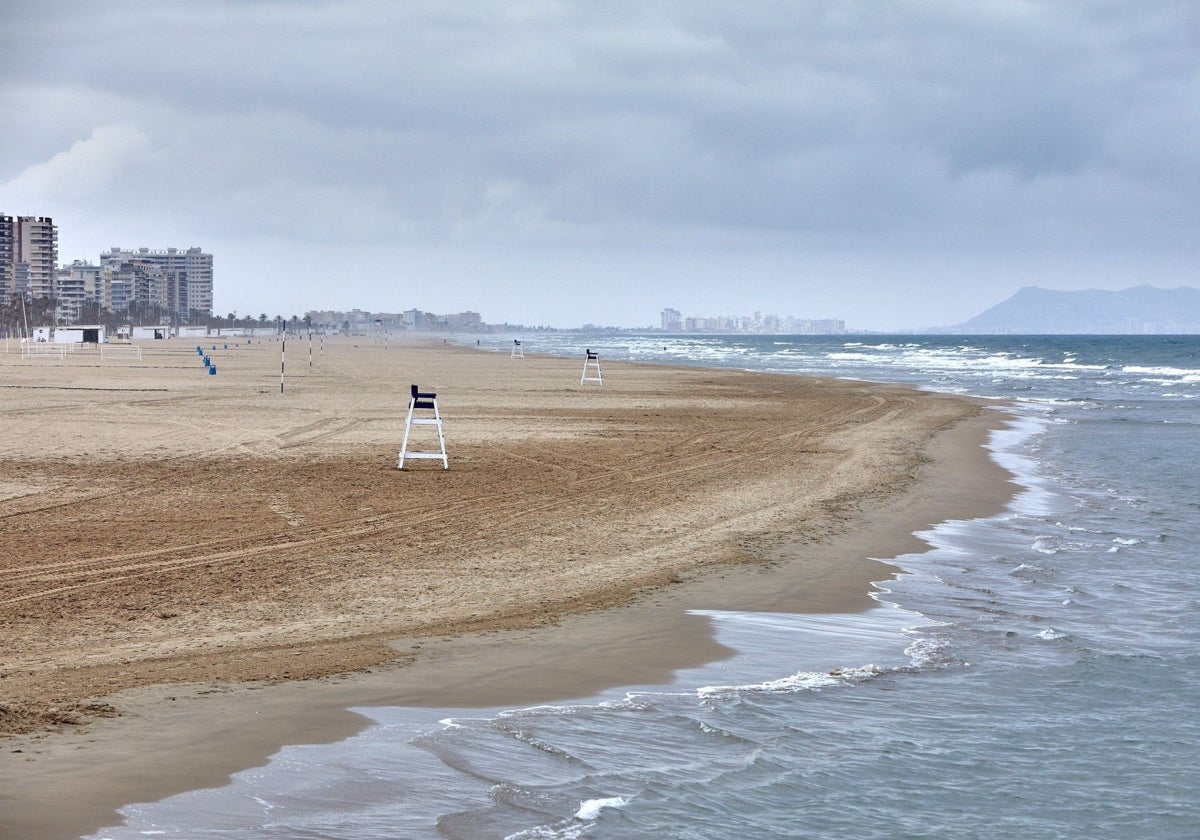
x: 805, y: 681
x: 591, y: 809
x: 929, y: 653
x: 1186, y: 373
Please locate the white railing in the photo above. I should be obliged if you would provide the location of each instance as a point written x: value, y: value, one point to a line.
x: 43, y: 349
x: 120, y: 351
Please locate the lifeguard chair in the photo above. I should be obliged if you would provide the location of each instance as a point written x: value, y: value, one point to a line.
x: 517, y: 352
x: 424, y: 403
x: 591, y: 365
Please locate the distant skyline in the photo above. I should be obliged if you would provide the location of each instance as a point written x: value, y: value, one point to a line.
x: 895, y: 165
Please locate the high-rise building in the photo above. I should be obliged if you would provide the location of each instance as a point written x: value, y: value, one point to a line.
x: 8, y: 232
x: 77, y: 285
x: 180, y: 281
x: 137, y: 285
x: 672, y: 320
x: 28, y: 256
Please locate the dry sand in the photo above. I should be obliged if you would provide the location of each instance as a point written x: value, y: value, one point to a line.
x: 192, y: 552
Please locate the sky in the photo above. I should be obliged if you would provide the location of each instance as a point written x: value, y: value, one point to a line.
x: 896, y: 165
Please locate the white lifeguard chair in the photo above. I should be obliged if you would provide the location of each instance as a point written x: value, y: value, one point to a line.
x: 423, y: 403
x: 591, y: 364
x: 517, y: 352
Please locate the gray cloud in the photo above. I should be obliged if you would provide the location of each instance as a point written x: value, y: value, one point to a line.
x: 804, y: 146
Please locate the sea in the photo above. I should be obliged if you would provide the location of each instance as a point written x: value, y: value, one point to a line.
x: 1035, y: 674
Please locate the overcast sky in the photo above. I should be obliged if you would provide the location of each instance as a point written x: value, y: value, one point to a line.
x: 893, y: 164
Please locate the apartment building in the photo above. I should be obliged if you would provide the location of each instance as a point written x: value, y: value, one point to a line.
x: 75, y: 286
x: 178, y: 280
x: 28, y: 256
x: 8, y: 232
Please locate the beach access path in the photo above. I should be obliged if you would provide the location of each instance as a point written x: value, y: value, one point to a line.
x: 168, y: 535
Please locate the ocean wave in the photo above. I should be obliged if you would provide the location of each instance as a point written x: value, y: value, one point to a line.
x: 804, y: 681
x: 591, y: 808
x: 927, y: 653
x: 1145, y: 370
x: 579, y: 825
x: 1078, y: 529
x: 535, y: 742
x: 1045, y: 545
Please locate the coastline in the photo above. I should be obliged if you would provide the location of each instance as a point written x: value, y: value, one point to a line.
x: 769, y: 561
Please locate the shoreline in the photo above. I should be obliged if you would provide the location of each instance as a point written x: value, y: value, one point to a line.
x: 228, y: 727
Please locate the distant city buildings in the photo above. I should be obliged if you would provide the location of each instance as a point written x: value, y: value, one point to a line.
x: 175, y: 286
x: 177, y: 281
x: 362, y: 322
x: 673, y: 321
x: 171, y: 285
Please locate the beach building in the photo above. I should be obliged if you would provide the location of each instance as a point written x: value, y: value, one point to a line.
x: 80, y: 334
x: 464, y: 320
x: 151, y: 333
x: 417, y: 319
x: 77, y: 334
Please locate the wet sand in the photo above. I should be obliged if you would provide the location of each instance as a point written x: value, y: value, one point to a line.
x: 228, y: 569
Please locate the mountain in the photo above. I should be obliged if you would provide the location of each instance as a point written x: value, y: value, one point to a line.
x: 1136, y: 311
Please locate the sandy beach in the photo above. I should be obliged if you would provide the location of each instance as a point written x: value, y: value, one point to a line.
x: 198, y: 569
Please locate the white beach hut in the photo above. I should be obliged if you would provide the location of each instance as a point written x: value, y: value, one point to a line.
x: 80, y: 334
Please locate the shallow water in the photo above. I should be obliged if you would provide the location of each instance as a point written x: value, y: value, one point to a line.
x: 1035, y: 675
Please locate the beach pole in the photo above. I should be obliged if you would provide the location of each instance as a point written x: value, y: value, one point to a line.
x: 282, y: 360
x: 310, y: 348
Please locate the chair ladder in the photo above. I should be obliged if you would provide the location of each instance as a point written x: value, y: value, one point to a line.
x: 424, y: 403
x: 517, y: 352
x: 592, y: 361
